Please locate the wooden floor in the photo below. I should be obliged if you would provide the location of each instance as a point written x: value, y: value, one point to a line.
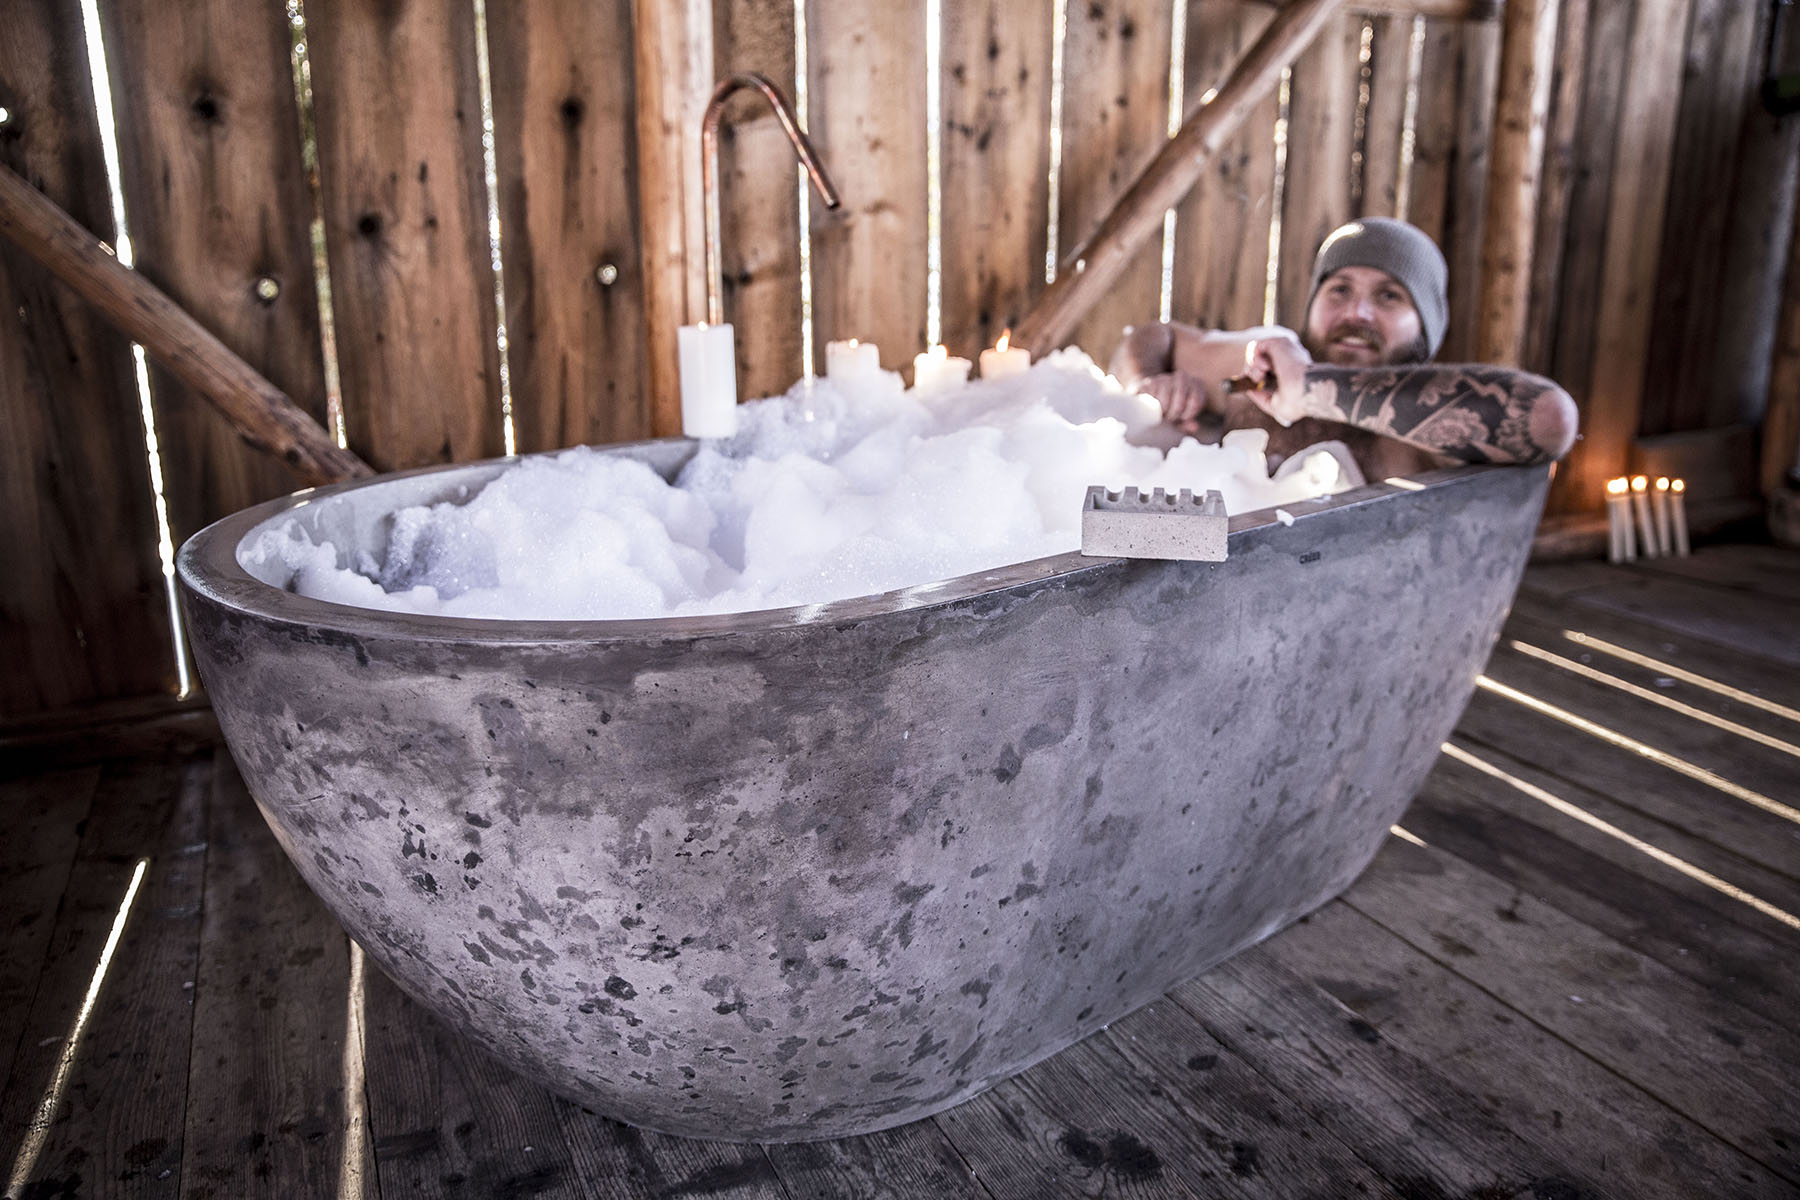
x: 1575, y: 971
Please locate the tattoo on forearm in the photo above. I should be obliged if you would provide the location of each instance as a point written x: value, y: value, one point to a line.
x: 1479, y: 414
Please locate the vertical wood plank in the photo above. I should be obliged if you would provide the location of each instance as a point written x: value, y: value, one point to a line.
x: 266, y: 1085
x: 1222, y: 228
x: 868, y: 108
x: 1434, y: 130
x: 398, y: 111
x: 1781, y: 422
x: 1115, y: 118
x: 1465, y: 220
x: 673, y: 58
x: 565, y: 151
x: 996, y: 161
x: 1559, y: 182
x: 1721, y: 72
x: 1390, y: 61
x: 1758, y: 227
x: 1521, y: 118
x: 1590, y: 198
x: 1320, y: 132
x: 759, y: 218
x: 1634, y: 230
x: 82, y: 611
x: 217, y: 199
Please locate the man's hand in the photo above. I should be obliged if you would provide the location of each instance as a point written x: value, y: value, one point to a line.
x: 1183, y: 398
x: 1279, y: 362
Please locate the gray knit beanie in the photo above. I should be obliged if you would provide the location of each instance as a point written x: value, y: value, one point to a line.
x: 1403, y: 251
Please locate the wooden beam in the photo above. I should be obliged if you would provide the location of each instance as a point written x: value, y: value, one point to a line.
x: 1093, y: 268
x: 1527, y: 65
x: 256, y: 408
x: 674, y: 59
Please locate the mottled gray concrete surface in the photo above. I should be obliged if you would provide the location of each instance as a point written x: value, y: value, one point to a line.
x: 819, y: 872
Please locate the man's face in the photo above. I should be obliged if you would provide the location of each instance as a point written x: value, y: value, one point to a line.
x: 1362, y: 317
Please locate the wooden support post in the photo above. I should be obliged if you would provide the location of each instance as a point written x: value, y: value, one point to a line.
x: 1093, y: 268
x: 1527, y: 62
x: 256, y: 408
x: 1645, y: 145
x: 1781, y: 420
x: 674, y: 56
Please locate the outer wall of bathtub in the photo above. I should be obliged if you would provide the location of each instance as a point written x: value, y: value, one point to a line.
x: 817, y: 872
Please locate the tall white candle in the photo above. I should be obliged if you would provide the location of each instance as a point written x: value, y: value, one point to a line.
x: 850, y: 360
x: 708, y: 380
x: 1678, y: 515
x: 1005, y: 359
x: 1659, y: 505
x: 1621, y: 545
x: 1640, y: 504
x: 937, y: 368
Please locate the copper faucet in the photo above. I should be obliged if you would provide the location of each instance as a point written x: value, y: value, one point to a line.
x: 709, y: 173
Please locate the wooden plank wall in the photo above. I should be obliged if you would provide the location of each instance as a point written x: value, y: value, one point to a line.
x: 1663, y: 223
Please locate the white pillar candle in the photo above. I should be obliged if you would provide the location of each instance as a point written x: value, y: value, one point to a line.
x: 937, y: 368
x: 1659, y: 506
x: 1678, y: 515
x: 851, y: 360
x: 1621, y: 545
x: 1640, y: 504
x: 708, y: 380
x: 1005, y: 359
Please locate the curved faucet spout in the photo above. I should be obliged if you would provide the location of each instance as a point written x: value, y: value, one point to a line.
x: 709, y: 173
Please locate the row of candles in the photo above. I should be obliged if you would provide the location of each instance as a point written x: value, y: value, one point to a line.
x: 708, y: 355
x: 1639, y: 514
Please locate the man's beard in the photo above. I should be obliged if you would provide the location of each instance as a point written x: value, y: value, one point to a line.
x: 1418, y: 351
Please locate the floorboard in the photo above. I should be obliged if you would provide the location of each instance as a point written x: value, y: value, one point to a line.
x: 1521, y: 1000
x: 266, y: 1110
x: 1409, y: 1123
x: 45, y: 815
x: 1545, y: 1088
x: 1724, y: 1066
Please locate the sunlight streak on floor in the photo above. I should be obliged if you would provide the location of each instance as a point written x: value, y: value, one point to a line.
x: 1587, y: 818
x: 1660, y: 757
x: 38, y: 1130
x: 1644, y: 693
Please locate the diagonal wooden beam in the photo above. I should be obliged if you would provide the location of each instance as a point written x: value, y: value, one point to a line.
x: 1094, y: 267
x: 261, y: 412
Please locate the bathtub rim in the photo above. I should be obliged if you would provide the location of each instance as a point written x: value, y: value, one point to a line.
x: 207, y: 564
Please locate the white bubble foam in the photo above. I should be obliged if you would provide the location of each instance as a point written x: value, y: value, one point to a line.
x: 821, y: 495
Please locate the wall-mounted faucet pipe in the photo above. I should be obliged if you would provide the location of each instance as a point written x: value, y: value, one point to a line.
x: 709, y: 173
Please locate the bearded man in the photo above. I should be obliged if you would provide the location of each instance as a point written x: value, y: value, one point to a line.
x: 1356, y: 372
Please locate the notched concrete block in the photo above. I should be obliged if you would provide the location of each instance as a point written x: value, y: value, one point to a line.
x: 1132, y: 525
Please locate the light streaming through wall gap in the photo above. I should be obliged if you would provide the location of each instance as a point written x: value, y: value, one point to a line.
x: 309, y: 160
x: 491, y: 175
x: 109, y: 143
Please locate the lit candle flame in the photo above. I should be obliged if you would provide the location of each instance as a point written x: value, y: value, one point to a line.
x: 1662, y: 483
x: 1004, y: 342
x: 939, y: 353
x: 1639, y: 483
x: 1678, y: 485
x: 1617, y: 487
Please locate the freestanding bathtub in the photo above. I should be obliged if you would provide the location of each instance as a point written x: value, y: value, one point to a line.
x: 816, y: 872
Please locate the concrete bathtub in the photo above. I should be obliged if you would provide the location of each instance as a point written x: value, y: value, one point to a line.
x: 817, y: 872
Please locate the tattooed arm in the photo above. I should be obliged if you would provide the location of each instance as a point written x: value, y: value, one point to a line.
x: 1474, y: 413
